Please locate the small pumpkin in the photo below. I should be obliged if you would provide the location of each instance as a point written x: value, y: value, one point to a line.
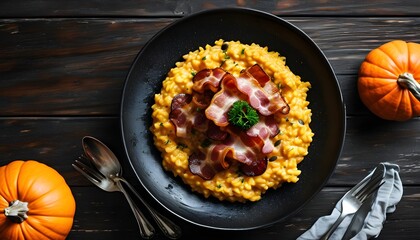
x: 388, y: 82
x: 35, y: 202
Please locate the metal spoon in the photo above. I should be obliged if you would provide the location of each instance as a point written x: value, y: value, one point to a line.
x: 108, y: 164
x: 146, y: 229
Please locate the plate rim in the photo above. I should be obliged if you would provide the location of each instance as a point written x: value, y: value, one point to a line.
x: 261, y: 14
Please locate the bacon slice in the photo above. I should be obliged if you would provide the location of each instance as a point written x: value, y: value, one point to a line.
x: 215, y: 90
x: 238, y: 146
x: 215, y: 132
x: 223, y: 100
x: 259, y: 74
x: 254, y: 86
x: 245, y: 148
x: 262, y: 94
x: 257, y: 167
x: 185, y: 116
x: 207, y: 163
x: 208, y: 79
x: 265, y: 129
x: 203, y: 100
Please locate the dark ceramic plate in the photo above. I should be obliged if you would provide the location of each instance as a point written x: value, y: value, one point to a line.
x: 303, y: 57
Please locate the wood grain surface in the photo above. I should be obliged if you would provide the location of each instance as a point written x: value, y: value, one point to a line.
x: 63, y: 66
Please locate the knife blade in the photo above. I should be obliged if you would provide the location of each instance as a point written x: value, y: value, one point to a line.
x: 359, y: 217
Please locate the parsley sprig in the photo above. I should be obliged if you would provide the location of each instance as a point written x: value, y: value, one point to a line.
x: 242, y: 115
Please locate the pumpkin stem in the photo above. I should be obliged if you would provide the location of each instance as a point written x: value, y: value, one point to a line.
x: 406, y: 80
x: 16, y: 212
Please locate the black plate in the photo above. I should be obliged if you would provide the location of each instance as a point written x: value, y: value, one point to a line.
x: 248, y: 26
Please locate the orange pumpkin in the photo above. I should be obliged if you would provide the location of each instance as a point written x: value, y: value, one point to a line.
x: 35, y: 202
x: 389, y: 78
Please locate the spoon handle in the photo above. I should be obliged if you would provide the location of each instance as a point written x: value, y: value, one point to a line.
x: 169, y: 229
x: 146, y: 229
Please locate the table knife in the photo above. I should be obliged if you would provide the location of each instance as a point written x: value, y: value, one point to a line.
x: 359, y: 217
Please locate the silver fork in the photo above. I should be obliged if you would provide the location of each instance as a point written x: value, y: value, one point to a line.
x: 354, y: 199
x: 146, y: 229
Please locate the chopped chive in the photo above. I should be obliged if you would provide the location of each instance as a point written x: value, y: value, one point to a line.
x: 277, y: 143
x: 273, y: 158
x: 242, y: 51
x: 300, y: 121
x: 181, y: 146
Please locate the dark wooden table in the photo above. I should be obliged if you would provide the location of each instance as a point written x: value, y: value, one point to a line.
x: 62, y: 69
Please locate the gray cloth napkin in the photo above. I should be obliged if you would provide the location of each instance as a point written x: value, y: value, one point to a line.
x: 388, y: 196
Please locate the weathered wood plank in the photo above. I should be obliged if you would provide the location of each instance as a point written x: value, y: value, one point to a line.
x: 68, y: 67
x: 133, y: 8
x: 57, y: 142
x: 370, y: 141
x: 77, y: 67
x: 107, y: 216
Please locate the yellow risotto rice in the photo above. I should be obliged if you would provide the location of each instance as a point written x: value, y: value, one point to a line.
x: 295, y: 134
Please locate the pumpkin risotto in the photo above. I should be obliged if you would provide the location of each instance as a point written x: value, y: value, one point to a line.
x: 230, y: 180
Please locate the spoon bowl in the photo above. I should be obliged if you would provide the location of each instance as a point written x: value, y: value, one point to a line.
x: 107, y: 184
x: 107, y: 164
x: 102, y: 157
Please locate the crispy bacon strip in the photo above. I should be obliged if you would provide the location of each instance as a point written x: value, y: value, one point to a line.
x: 259, y: 74
x: 215, y: 91
x: 215, y: 132
x: 223, y: 100
x: 257, y: 167
x: 238, y: 146
x: 265, y: 129
x: 207, y: 163
x: 208, y: 79
x: 254, y: 86
x: 186, y: 116
x: 262, y: 94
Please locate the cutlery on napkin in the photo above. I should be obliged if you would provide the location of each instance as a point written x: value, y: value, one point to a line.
x: 358, y: 219
x: 370, y: 225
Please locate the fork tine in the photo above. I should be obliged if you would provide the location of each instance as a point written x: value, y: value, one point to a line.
x: 358, y: 187
x: 94, y: 173
x: 371, y: 191
x: 370, y: 187
x: 374, y: 176
x: 83, y: 157
x: 86, y: 175
x: 88, y: 170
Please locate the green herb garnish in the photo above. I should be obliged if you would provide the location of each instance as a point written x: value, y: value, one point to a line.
x: 181, y: 146
x: 242, y: 115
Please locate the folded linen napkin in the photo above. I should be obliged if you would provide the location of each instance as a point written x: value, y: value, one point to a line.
x: 388, y: 196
